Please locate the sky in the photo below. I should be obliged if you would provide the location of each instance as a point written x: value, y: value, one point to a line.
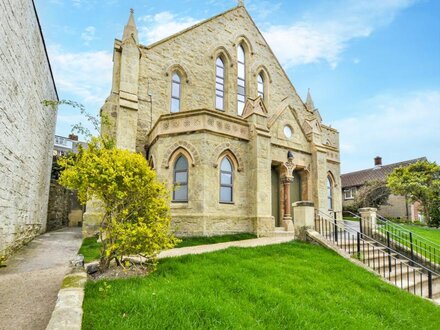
x: 373, y: 66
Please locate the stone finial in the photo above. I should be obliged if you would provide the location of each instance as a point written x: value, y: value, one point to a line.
x: 309, y: 103
x: 240, y: 3
x: 130, y: 29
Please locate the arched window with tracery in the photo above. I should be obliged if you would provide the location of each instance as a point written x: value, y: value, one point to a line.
x: 175, y: 92
x: 329, y: 192
x: 241, y: 79
x: 219, y: 84
x: 226, y: 181
x: 180, y: 180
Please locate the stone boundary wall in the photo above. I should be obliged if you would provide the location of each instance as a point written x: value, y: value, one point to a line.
x: 27, y: 127
x: 59, y: 206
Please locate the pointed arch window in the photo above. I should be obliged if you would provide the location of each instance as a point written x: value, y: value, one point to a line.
x: 226, y: 181
x: 241, y: 79
x: 219, y: 84
x: 260, y: 85
x: 175, y: 92
x: 329, y: 193
x: 180, y: 180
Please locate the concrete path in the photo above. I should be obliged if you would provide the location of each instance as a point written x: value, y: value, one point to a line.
x: 30, y: 283
x: 352, y: 226
x: 199, y: 249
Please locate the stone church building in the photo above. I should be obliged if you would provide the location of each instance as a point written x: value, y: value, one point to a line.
x: 217, y: 117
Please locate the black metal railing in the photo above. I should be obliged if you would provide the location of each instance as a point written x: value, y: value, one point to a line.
x: 414, y: 246
x: 383, y: 259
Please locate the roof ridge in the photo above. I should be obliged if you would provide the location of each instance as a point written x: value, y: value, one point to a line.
x: 156, y: 43
x: 388, y: 165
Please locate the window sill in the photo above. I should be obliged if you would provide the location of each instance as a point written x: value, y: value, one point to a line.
x: 227, y: 203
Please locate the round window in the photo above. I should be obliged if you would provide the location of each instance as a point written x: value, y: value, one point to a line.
x: 288, y: 131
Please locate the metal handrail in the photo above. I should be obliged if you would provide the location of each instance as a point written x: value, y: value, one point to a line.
x: 351, y: 213
x: 421, y: 238
x: 385, y: 253
x: 375, y: 241
x: 417, y: 247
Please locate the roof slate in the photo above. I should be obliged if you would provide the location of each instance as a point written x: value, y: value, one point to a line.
x: 358, y: 178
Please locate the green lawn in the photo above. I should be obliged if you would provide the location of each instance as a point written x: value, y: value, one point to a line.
x: 90, y: 248
x: 288, y: 286
x: 193, y: 241
x: 431, y: 234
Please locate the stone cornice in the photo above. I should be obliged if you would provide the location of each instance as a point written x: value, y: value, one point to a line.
x: 199, y: 120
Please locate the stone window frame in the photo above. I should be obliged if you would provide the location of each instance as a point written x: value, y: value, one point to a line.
x: 176, y: 80
x: 226, y: 185
x: 227, y: 153
x: 262, y: 71
x: 241, y: 80
x: 181, y: 151
x: 244, y: 42
x: 223, y: 83
x: 184, y: 81
x: 228, y: 64
x: 185, y: 184
x: 330, y: 189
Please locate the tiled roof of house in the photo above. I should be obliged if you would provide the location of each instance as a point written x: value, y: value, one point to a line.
x: 358, y: 178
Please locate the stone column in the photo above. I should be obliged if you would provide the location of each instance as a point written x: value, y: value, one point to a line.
x: 368, y: 216
x: 304, y: 213
x: 287, y: 218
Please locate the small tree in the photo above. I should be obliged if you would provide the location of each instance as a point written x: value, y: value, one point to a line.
x: 136, y: 219
x: 419, y: 182
x: 372, y: 194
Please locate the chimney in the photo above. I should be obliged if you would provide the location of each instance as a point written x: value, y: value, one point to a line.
x: 73, y: 137
x: 378, y: 161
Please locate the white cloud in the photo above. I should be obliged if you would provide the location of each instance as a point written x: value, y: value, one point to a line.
x: 325, y: 34
x: 85, y: 75
x: 396, y: 127
x: 262, y: 9
x: 161, y: 25
x: 88, y: 34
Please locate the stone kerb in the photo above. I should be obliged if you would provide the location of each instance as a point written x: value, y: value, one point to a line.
x: 304, y: 218
x: 68, y: 310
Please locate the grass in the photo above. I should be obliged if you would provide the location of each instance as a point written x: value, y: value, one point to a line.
x: 431, y: 234
x: 193, y: 241
x: 91, y: 249
x: 288, y: 286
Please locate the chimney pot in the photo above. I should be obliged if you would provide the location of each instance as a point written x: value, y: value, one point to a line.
x: 73, y: 137
x: 378, y: 161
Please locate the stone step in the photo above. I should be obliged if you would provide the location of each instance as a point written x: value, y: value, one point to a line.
x: 281, y: 233
x: 420, y: 285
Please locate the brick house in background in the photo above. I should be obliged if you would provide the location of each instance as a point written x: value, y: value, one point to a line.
x: 398, y: 207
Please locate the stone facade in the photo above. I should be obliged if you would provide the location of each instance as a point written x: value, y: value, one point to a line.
x: 254, y: 142
x: 26, y: 126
